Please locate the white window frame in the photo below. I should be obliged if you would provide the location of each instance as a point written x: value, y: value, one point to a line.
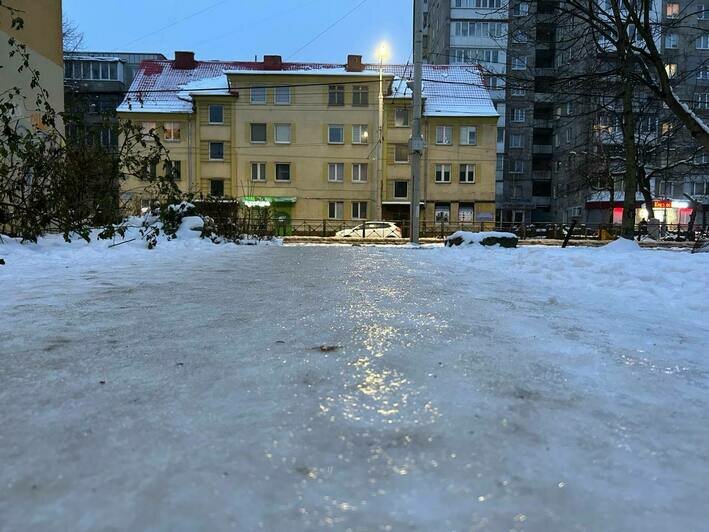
x: 444, y: 135
x: 277, y: 97
x: 290, y: 172
x: 443, y: 173
x: 260, y: 172
x: 331, y: 128
x: 211, y: 105
x: 336, y: 172
x: 283, y: 127
x: 465, y: 135
x: 357, y: 210
x: 358, y: 132
x: 256, y: 91
x: 174, y: 126
x: 223, y: 151
x: 399, y: 113
x: 357, y: 172
x: 339, y: 211
x: 469, y: 169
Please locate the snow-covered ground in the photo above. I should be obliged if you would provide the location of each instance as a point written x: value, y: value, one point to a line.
x: 202, y: 387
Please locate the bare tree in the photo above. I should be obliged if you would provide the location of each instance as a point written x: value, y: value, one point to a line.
x: 72, y: 36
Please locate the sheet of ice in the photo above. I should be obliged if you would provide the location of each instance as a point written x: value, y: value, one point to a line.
x: 202, y: 387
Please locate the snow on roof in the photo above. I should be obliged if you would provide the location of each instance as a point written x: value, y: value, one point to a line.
x: 109, y: 59
x: 448, y: 90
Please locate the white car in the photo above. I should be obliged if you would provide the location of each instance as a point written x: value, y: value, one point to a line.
x: 373, y: 230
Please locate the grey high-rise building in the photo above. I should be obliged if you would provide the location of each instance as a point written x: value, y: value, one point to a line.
x: 543, y: 132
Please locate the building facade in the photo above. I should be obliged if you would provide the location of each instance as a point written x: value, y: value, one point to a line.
x: 42, y: 34
x: 95, y: 83
x: 543, y: 132
x: 304, y: 137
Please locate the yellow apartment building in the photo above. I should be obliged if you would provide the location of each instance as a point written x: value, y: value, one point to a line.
x: 304, y: 137
x: 42, y: 34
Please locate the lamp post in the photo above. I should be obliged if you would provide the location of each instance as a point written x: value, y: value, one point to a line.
x: 382, y: 54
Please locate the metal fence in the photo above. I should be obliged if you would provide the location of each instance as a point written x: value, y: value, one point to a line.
x: 327, y: 228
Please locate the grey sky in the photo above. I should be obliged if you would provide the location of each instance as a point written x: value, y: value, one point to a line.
x: 240, y: 29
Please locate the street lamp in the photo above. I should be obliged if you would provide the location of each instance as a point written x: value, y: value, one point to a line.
x: 382, y: 55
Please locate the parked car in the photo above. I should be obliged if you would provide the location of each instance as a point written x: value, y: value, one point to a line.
x: 373, y: 230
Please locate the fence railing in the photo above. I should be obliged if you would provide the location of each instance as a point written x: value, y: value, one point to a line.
x: 441, y: 229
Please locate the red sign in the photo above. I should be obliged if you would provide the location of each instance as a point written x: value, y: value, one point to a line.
x: 662, y: 204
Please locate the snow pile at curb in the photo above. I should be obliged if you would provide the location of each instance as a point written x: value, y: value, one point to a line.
x: 485, y: 238
x: 622, y: 245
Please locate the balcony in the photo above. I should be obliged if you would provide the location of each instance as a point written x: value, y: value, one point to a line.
x: 543, y: 148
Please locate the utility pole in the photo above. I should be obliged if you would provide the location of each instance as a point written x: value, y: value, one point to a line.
x: 380, y: 143
x: 417, y: 143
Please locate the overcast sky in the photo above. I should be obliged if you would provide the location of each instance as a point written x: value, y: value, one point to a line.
x: 240, y: 29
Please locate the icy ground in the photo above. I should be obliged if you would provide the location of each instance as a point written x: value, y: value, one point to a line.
x: 534, y: 389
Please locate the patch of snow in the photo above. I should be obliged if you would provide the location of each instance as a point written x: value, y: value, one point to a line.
x: 622, y: 245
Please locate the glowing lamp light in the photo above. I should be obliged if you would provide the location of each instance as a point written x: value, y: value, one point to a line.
x: 383, y: 52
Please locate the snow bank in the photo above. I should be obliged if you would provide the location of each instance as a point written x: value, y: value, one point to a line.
x: 485, y: 238
x: 622, y: 245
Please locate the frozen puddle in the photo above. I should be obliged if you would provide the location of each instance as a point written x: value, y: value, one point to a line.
x: 368, y: 389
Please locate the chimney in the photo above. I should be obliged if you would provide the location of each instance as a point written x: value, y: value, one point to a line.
x: 184, y: 61
x: 354, y: 63
x: 272, y: 62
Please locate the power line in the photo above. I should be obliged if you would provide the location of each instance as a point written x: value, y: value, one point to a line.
x: 173, y: 24
x: 323, y: 32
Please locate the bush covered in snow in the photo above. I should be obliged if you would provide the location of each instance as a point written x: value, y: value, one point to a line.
x: 489, y: 238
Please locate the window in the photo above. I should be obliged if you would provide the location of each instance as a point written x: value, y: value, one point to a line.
x: 702, y: 100
x: 521, y: 9
x: 258, y: 171
x: 258, y: 133
x: 444, y: 135
x: 336, y: 210
x: 700, y: 188
x: 336, y: 172
x: 336, y: 134
x: 359, y: 172
x: 466, y: 28
x: 703, y: 72
x: 672, y: 9
x: 283, y: 172
x: 466, y: 212
x: 500, y: 135
x: 467, y: 173
x: 336, y: 95
x: 703, y: 13
x: 282, y: 133
x: 216, y: 187
x: 671, y: 69
x: 443, y: 173
x: 216, y: 114
x: 149, y: 127
x: 518, y: 217
x: 172, y: 131
x: 258, y: 95
x: 671, y: 41
x: 360, y: 134
x: 401, y: 117
x: 442, y: 212
x: 282, y: 96
x: 519, y: 115
x: 703, y: 42
x: 401, y: 189
x: 516, y: 140
x: 359, y: 210
x: 468, y: 135
x: 517, y: 167
x: 360, y: 96
x: 174, y: 169
x: 216, y: 151
x: 519, y: 63
x: 401, y: 153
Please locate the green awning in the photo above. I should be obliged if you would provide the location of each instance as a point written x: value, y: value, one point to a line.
x: 267, y: 201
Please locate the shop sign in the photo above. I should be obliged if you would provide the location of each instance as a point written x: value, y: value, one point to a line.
x: 662, y: 204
